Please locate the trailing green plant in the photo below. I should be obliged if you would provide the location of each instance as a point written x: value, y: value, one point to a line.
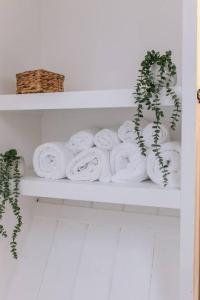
x: 148, y: 96
x: 9, y: 194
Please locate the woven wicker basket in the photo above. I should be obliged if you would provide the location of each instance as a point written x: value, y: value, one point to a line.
x: 39, y: 81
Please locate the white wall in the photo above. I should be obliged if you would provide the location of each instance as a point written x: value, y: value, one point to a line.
x: 19, y: 51
x: 20, y: 40
x: 70, y: 121
x: 98, y: 44
x: 21, y: 131
x: 95, y: 43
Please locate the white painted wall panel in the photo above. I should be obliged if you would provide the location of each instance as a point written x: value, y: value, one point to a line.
x: 97, y: 264
x: 98, y: 43
x: 63, y: 264
x: 20, y: 40
x: 165, y: 273
x: 39, y: 245
x: 134, y: 260
x: 19, y: 51
x: 60, y: 125
x: 87, y: 254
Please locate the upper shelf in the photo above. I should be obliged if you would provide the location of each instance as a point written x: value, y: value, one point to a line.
x: 73, y: 100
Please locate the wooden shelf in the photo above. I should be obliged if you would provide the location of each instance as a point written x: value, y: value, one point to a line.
x: 143, y: 194
x: 72, y: 100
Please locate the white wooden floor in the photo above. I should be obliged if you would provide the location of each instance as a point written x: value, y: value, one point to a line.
x: 87, y: 254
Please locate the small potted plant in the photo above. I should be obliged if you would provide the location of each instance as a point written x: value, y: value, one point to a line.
x: 11, y: 169
x: 157, y: 74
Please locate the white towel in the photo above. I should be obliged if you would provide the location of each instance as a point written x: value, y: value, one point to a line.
x: 90, y: 165
x: 147, y: 132
x: 127, y: 163
x: 106, y: 139
x: 126, y: 131
x: 51, y: 159
x: 82, y: 140
x: 171, y: 154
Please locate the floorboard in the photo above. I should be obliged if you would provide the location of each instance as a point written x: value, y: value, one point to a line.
x: 133, y: 266
x: 31, y: 265
x: 72, y: 259
x: 63, y: 263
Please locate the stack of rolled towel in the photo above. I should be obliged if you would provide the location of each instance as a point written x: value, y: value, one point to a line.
x: 109, y: 155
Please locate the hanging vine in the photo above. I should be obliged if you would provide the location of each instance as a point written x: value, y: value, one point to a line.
x: 157, y: 72
x: 9, y: 194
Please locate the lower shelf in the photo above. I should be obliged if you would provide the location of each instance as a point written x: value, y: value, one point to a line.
x: 142, y: 194
x: 86, y: 254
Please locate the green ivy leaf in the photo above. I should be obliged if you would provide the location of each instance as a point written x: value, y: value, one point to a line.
x: 147, y: 96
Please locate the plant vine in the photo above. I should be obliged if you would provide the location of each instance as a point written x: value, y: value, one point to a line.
x: 148, y: 94
x: 9, y: 194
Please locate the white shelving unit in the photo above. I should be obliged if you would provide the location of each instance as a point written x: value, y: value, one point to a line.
x: 130, y: 194
x: 77, y: 253
x: 116, y: 238
x: 122, y: 98
x: 145, y: 194
x: 104, y: 193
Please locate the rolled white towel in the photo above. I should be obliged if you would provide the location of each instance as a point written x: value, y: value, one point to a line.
x: 126, y: 131
x: 90, y: 165
x: 127, y: 163
x: 147, y: 132
x: 82, y: 140
x: 51, y: 159
x: 170, y: 153
x: 106, y: 139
